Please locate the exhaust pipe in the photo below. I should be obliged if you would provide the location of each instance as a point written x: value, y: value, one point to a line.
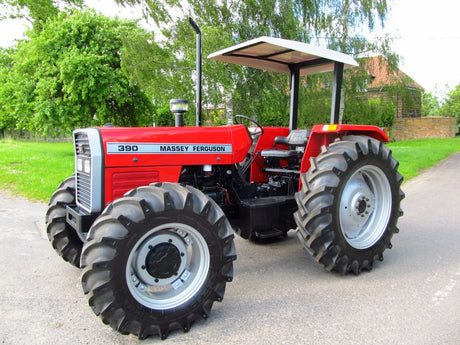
x: 198, y: 71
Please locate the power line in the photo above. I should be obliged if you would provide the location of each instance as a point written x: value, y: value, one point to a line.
x: 412, y: 37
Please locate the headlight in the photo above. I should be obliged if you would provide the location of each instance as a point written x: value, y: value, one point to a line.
x: 79, y: 164
x: 87, y: 166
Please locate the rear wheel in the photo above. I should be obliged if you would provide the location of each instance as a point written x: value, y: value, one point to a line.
x: 62, y: 236
x: 157, y: 259
x: 349, y: 204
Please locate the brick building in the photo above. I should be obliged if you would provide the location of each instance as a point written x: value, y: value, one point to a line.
x: 393, y: 84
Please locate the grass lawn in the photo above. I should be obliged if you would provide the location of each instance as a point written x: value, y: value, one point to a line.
x: 417, y: 155
x: 35, y: 169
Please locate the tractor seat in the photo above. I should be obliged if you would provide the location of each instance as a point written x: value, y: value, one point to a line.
x: 296, y: 137
x: 296, y: 140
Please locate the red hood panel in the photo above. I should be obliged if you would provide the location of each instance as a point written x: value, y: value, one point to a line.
x: 156, y: 146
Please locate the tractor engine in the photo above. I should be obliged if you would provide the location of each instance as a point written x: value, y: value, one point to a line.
x: 211, y: 180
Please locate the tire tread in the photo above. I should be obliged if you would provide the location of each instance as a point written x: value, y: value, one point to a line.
x: 316, y: 197
x: 143, y: 203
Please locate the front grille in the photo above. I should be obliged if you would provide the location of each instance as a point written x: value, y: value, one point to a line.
x: 83, y: 150
x: 89, y: 171
x: 84, y: 190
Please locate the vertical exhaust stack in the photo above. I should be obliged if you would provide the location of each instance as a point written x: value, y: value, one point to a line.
x: 198, y: 71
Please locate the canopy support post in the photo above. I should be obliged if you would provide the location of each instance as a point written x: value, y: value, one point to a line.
x: 293, y: 112
x: 336, y: 92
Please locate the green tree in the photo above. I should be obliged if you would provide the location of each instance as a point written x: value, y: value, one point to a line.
x: 335, y: 24
x: 35, y: 11
x: 6, y: 63
x: 430, y: 104
x: 69, y: 75
x: 451, y: 105
x: 164, y: 117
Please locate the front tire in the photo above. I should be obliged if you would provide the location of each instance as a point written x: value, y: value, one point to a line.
x: 157, y: 259
x: 349, y: 204
x: 62, y: 236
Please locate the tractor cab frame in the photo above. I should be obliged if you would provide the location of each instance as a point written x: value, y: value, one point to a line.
x: 294, y: 58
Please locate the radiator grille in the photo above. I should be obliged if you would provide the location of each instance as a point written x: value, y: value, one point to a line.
x: 83, y: 149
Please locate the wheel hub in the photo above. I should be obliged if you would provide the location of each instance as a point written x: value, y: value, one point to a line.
x: 361, y: 206
x: 167, y: 266
x: 356, y: 206
x: 365, y: 207
x: 163, y: 260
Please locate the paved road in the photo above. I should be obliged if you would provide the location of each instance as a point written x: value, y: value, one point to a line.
x: 279, y: 294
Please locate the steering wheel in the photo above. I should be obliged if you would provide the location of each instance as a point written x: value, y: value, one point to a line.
x: 259, y: 129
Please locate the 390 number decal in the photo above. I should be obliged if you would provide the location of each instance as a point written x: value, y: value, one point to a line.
x: 128, y: 148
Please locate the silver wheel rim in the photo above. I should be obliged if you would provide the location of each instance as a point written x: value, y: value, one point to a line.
x: 365, y: 207
x: 167, y: 266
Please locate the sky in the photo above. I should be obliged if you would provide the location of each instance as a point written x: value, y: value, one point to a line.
x: 426, y: 36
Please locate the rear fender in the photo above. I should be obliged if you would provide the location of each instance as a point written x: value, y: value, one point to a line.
x: 326, y: 134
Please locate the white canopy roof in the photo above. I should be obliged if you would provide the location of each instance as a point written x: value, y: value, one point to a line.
x: 278, y: 55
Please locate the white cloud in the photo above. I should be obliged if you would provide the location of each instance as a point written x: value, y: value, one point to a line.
x: 111, y: 9
x: 427, y: 38
x: 12, y: 29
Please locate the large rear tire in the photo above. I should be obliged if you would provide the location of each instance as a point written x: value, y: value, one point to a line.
x: 157, y: 259
x: 349, y: 204
x: 62, y: 236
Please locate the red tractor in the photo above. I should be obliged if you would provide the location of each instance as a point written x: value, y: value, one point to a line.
x: 149, y: 214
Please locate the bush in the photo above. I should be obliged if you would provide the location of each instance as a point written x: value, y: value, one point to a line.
x: 164, y: 117
x: 377, y: 112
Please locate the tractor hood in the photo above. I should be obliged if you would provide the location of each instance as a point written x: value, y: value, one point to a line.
x: 174, y: 146
x: 279, y: 55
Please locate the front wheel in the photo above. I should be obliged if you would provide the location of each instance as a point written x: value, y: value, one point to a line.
x: 157, y: 259
x: 349, y: 204
x: 62, y: 236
